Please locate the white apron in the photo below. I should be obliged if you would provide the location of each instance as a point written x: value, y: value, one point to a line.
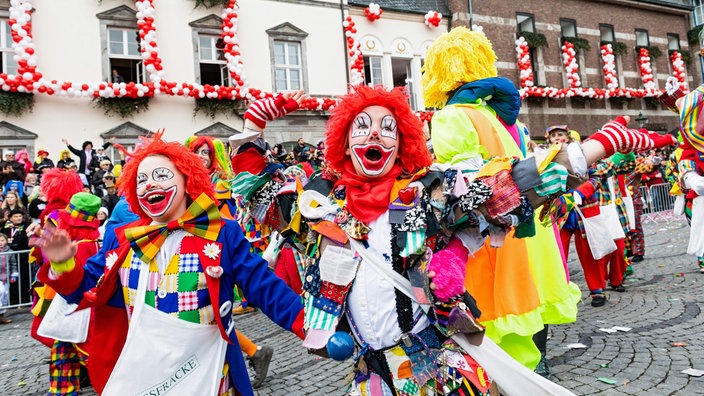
x: 165, y: 355
x: 696, y: 233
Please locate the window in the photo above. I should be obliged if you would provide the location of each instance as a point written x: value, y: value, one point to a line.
x: 607, y: 32
x: 698, y: 12
x: 287, y: 66
x: 673, y: 42
x: 287, y: 46
x: 212, y: 63
x: 568, y: 27
x: 120, y: 43
x: 7, y: 63
x: 525, y: 23
x: 642, y: 38
x: 372, y: 70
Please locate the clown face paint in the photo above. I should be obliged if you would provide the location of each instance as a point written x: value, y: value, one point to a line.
x: 559, y: 136
x: 373, y: 141
x: 204, y: 153
x: 161, y: 189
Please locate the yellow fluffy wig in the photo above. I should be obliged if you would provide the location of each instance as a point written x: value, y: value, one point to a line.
x: 455, y: 58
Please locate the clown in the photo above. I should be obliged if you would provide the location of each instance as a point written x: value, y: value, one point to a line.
x: 377, y: 232
x: 174, y: 272
x: 522, y: 285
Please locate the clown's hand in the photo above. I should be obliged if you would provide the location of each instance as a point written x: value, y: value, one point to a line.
x: 694, y: 182
x: 58, y: 249
x: 269, y: 109
x: 615, y: 136
x: 672, y: 85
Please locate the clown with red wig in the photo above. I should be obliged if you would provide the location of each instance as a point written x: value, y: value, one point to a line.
x: 173, y: 272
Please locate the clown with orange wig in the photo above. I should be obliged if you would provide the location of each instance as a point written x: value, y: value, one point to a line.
x: 173, y: 271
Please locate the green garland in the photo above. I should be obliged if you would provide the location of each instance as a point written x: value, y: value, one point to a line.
x: 213, y: 106
x: 617, y: 47
x: 694, y: 34
x: 533, y: 39
x: 16, y: 103
x: 653, y: 51
x: 578, y: 42
x: 211, y: 3
x: 122, y: 107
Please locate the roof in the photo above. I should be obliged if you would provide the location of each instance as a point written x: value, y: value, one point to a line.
x: 414, y: 6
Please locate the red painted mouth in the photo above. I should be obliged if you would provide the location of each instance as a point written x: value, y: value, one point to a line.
x: 156, y: 202
x: 373, y: 157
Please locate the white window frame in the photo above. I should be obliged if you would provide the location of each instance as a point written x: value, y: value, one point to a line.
x: 225, y: 78
x: 6, y: 53
x: 287, y: 67
x: 120, y: 18
x: 288, y: 34
x: 125, y: 43
x: 373, y: 78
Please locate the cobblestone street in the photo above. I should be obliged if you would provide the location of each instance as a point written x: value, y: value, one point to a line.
x: 662, y: 306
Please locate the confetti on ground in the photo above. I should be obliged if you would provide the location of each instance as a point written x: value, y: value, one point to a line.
x: 607, y: 380
x: 608, y: 330
x: 21, y: 384
x: 679, y: 344
x: 622, y: 328
x: 577, y: 345
x: 604, y: 365
x: 693, y: 372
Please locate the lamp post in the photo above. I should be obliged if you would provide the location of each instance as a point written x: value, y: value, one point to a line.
x: 641, y: 120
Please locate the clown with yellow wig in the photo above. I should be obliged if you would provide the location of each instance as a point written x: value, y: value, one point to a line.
x: 519, y: 277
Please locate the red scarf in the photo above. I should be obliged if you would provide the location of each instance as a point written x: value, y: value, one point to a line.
x: 367, y: 197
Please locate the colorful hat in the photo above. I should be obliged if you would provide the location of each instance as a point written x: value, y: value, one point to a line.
x: 42, y: 152
x: 83, y: 209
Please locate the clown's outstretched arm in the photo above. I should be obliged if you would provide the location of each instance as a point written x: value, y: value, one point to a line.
x: 263, y: 110
x: 615, y: 137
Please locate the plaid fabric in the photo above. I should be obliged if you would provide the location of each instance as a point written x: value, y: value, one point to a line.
x: 506, y: 195
x: 181, y: 292
x: 604, y: 170
x: 64, y: 370
x: 202, y: 218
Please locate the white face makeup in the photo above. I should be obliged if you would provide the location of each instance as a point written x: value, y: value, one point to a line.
x: 373, y: 141
x: 204, y: 153
x: 161, y: 189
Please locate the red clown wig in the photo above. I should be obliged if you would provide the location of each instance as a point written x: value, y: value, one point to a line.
x: 186, y: 162
x: 58, y: 186
x: 413, y: 154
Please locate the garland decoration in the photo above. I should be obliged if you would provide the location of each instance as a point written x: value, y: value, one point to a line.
x: 617, y: 47
x: 579, y: 43
x: 609, y: 68
x: 646, y: 71
x: 211, y: 107
x: 122, y: 107
x: 373, y: 12
x: 525, y: 68
x: 534, y: 40
x: 570, y: 62
x: 694, y: 35
x: 16, y: 103
x: 678, y: 69
x: 354, y: 50
x: 433, y: 19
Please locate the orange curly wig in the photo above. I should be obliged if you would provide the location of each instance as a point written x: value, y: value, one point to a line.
x: 189, y: 164
x: 413, y: 154
x: 58, y: 186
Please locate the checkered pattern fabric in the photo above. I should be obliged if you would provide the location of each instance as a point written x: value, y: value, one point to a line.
x: 64, y: 370
x: 202, y: 218
x: 181, y: 291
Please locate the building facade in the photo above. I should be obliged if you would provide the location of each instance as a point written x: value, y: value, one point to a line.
x: 78, y: 57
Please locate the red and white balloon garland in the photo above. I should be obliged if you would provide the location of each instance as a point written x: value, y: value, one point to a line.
x: 433, y: 19
x: 570, y: 62
x: 525, y: 69
x: 30, y: 79
x: 609, y: 68
x: 646, y: 71
x: 373, y: 12
x: 678, y: 69
x: 354, y: 50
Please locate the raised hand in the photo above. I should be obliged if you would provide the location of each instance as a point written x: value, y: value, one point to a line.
x: 56, y: 245
x: 615, y: 136
x: 269, y: 109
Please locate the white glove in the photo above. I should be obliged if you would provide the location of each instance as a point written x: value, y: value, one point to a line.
x: 694, y: 182
x: 672, y: 85
x: 577, y: 198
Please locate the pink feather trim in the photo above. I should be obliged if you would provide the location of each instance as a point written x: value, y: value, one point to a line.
x: 449, y: 267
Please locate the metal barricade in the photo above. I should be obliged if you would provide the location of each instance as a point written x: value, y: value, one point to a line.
x: 657, y: 203
x: 16, y: 276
